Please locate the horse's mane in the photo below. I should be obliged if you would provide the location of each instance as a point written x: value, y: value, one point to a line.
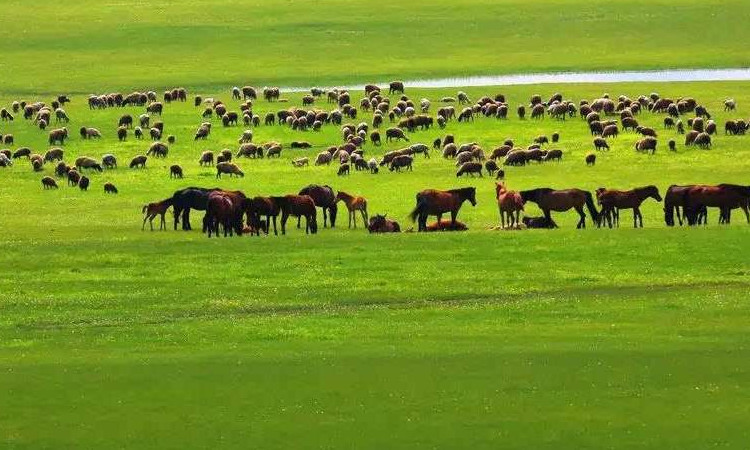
x: 536, y: 191
x: 462, y: 190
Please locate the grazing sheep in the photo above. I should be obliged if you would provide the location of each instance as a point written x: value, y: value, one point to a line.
x: 155, y: 108
x: 730, y: 104
x: 49, y: 183
x: 110, y: 188
x: 555, y: 137
x: 207, y: 158
x: 600, y: 143
x: 122, y: 133
x: 541, y: 140
x: 515, y: 158
x: 84, y: 162
x: 491, y: 167
x: 274, y: 151
x: 138, y: 161
x: 73, y: 177
x: 395, y: 133
x: 109, y: 161
x: 8, y: 139
x: 54, y: 154
x: 62, y: 169
x: 401, y: 161
x: 247, y: 136
x: 553, y: 155
x: 57, y: 136
x: 590, y: 159
x: 690, y: 137
x: 125, y: 121
x: 138, y: 133
x: 703, y: 140
x: 343, y: 169
x: 372, y: 164
x: 396, y: 87
x: 680, y: 127
x: 158, y: 150
x: 610, y: 131
x: 323, y: 158
x: 90, y: 133
x: 83, y: 183
x: 647, y: 144
x: 672, y: 145
x: 171, y: 139
x: 300, y: 144
x: 155, y: 134
x: 470, y: 168
x: 37, y: 165
x: 175, y: 171
x: 21, y: 152
x: 228, y: 168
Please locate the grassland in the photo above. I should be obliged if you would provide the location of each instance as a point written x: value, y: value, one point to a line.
x: 114, y: 337
x: 91, y: 45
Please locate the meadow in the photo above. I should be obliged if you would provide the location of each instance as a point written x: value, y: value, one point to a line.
x: 113, y: 336
x: 92, y: 45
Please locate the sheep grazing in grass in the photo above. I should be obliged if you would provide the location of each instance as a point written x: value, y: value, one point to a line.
x: 600, y: 144
x: 590, y: 159
x: 228, y: 168
x: 175, y: 171
x: 301, y: 162
x: 470, y: 168
x: 83, y: 183
x: 672, y: 145
x: 110, y: 188
x: 646, y: 145
x: 730, y: 104
x: 90, y: 133
x: 138, y: 162
x: 49, y: 183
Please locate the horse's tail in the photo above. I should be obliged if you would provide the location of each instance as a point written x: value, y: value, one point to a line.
x: 592, y: 207
x: 418, y: 209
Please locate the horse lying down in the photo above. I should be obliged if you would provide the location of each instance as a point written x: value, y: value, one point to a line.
x: 538, y: 222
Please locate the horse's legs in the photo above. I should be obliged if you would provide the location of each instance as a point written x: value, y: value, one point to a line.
x: 145, y: 218
x: 284, y: 218
x: 186, y: 220
x: 177, y: 211
x: 517, y: 222
x: 582, y: 221
x: 298, y: 221
x: 679, y: 216
x: 502, y: 217
x: 747, y: 213
x: 637, y: 217
x: 163, y: 222
x: 453, y: 218
x: 275, y: 232
x: 364, y: 216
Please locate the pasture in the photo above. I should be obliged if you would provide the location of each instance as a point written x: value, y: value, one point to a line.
x: 113, y: 336
x: 92, y: 45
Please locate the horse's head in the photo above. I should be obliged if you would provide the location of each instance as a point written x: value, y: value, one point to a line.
x: 472, y: 196
x: 499, y: 188
x: 653, y: 191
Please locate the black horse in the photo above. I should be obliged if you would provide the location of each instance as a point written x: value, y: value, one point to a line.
x: 325, y: 199
x: 186, y: 199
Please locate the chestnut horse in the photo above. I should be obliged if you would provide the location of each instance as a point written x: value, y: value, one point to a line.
x: 325, y: 199
x: 256, y: 207
x: 508, y: 202
x: 674, y: 199
x: 300, y: 206
x: 152, y: 210
x: 562, y: 200
x: 353, y: 204
x: 432, y: 202
x: 726, y: 197
x: 612, y: 201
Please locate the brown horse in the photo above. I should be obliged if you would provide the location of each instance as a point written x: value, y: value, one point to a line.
x: 325, y: 199
x: 381, y: 224
x: 224, y: 208
x: 300, y: 206
x: 353, y: 204
x: 508, y: 202
x: 562, y: 200
x: 257, y: 207
x: 432, y: 202
x: 152, y: 210
x: 724, y: 196
x: 612, y: 200
x: 674, y: 199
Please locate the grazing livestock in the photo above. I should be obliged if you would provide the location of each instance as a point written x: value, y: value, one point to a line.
x: 83, y: 183
x: 110, y: 188
x: 647, y: 144
x: 600, y: 143
x: 90, y: 133
x: 21, y: 152
x: 590, y: 159
x: 470, y: 168
x: 300, y: 162
x: 434, y: 202
x: 84, y: 162
x: 109, y: 161
x: 175, y: 171
x: 57, y: 136
x: 228, y: 168
x: 562, y: 200
x: 206, y: 159
x: 300, y: 144
x: 613, y: 200
x: 672, y: 145
x: 138, y: 161
x: 158, y: 150
x: 151, y: 210
x: 396, y: 87
x: 395, y: 133
x: 491, y: 167
x: 353, y: 204
x: 401, y: 161
x: 343, y: 169
x: 54, y: 154
x: 73, y: 177
x: 49, y: 183
x: 299, y: 206
x: 539, y: 222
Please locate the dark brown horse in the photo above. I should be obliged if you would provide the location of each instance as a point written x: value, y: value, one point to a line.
x: 258, y: 207
x: 726, y: 197
x: 562, y: 200
x: 300, y: 206
x: 325, y: 199
x: 224, y: 208
x: 674, y: 199
x: 432, y: 202
x: 612, y: 201
x: 186, y: 199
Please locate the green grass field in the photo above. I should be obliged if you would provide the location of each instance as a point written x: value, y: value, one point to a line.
x: 92, y: 45
x: 113, y: 337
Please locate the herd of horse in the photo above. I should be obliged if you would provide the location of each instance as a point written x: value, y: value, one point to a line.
x: 232, y: 212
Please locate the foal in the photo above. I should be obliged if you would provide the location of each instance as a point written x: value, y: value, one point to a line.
x: 353, y: 204
x: 152, y: 210
x: 508, y: 202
